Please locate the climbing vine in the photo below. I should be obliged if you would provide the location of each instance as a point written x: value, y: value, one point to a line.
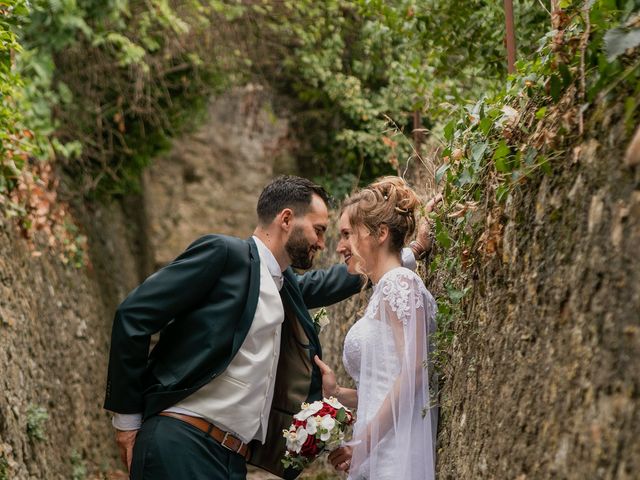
x: 501, y: 143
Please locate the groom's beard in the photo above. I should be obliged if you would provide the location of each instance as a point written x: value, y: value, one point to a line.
x: 299, y: 250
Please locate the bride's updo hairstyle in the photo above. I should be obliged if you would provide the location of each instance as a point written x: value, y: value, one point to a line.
x: 389, y: 201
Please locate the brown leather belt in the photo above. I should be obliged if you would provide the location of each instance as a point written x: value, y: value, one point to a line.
x: 225, y: 439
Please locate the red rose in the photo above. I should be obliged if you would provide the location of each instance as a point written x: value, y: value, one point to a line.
x: 310, y: 448
x: 327, y: 410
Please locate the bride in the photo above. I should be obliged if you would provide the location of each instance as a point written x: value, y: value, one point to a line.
x: 386, y: 352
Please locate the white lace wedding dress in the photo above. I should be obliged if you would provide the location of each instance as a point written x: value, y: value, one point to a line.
x: 386, y: 352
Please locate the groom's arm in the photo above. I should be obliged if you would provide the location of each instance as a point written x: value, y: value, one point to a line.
x: 165, y: 295
x: 321, y: 288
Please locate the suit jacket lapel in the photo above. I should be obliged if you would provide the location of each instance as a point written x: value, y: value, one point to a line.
x: 252, y: 298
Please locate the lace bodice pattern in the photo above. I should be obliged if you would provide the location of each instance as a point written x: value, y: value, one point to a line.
x: 394, y: 289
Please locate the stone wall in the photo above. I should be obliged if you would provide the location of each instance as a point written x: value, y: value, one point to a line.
x: 210, y: 180
x: 54, y: 337
x: 544, y: 375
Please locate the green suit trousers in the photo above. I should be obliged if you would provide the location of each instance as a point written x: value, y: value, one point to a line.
x: 169, y: 449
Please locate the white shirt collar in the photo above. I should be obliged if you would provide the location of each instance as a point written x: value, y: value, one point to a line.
x: 270, y: 260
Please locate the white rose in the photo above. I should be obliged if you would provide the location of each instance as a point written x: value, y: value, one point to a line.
x: 334, y: 403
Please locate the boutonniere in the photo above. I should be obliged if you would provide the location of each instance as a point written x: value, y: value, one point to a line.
x: 320, y: 320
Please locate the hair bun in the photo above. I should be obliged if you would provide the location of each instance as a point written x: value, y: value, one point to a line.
x: 389, y: 201
x: 396, y: 191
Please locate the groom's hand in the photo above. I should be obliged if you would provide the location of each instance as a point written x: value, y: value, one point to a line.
x: 125, y: 440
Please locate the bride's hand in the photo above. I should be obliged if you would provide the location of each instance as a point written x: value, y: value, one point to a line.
x: 423, y: 242
x: 340, y: 458
x: 431, y: 204
x: 330, y: 386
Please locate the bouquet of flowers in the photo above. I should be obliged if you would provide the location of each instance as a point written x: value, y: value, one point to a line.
x: 318, y: 427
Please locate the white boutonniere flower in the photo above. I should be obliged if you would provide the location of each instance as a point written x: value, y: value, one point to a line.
x: 333, y: 401
x: 321, y: 320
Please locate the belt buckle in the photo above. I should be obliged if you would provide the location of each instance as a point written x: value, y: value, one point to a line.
x: 224, y: 439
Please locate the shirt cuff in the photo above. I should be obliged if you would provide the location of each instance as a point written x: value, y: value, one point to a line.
x: 408, y: 259
x: 126, y: 421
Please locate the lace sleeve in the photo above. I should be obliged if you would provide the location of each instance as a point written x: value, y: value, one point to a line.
x: 401, y: 295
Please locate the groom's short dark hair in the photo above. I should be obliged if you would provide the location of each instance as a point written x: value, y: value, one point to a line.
x: 288, y: 191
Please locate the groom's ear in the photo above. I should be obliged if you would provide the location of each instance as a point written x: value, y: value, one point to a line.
x: 285, y: 219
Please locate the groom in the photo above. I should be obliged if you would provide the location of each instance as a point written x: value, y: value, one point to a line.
x: 234, y: 357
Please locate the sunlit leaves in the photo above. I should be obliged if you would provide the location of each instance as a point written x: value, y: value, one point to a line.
x: 407, y: 57
x: 128, y: 52
x: 540, y: 113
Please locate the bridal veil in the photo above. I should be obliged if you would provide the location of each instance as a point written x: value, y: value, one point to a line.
x: 397, y: 416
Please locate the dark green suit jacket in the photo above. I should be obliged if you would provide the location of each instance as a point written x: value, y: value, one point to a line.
x: 203, y: 304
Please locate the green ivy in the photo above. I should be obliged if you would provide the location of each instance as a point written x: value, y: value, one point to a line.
x: 106, y: 84
x: 36, y: 419
x: 492, y: 147
x: 4, y: 468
